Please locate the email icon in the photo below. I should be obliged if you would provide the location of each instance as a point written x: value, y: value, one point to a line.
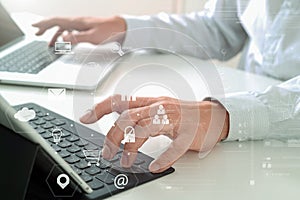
x: 56, y: 93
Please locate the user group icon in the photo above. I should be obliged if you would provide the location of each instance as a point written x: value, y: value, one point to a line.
x: 161, y: 117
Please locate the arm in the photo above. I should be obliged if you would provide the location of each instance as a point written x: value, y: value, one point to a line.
x: 274, y: 113
x: 216, y: 28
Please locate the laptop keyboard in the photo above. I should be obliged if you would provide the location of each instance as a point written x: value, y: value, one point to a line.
x: 84, y: 156
x: 31, y: 58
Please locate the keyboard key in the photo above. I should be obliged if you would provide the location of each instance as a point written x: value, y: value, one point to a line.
x: 64, y: 144
x: 113, y: 171
x: 73, y: 138
x: 58, y: 122
x: 47, y: 126
x: 64, y: 153
x: 82, y: 165
x: 106, y: 178
x: 72, y: 159
x: 36, y: 118
x: 95, y: 184
x: 138, y: 161
x: 91, y: 147
x: 69, y: 128
x: 78, y: 171
x: 93, y: 170
x: 86, y: 177
x: 80, y: 154
x: 49, y: 118
x: 56, y: 148
x: 81, y: 143
x: 73, y: 149
x: 65, y: 134
x: 39, y: 122
x: 46, y: 135
x: 116, y: 158
x: 104, y: 164
x: 40, y: 130
x: 41, y: 114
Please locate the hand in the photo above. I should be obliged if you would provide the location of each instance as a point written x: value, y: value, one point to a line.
x: 90, y: 29
x: 194, y: 126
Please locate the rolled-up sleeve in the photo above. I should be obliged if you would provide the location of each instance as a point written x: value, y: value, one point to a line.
x: 216, y: 29
x: 274, y: 113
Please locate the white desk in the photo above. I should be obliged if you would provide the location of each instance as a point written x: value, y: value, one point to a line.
x: 234, y: 170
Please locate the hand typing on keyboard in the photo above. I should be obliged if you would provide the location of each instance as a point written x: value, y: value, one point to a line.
x: 89, y: 29
x: 196, y: 126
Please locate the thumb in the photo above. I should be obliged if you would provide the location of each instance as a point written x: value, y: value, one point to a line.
x: 177, y: 149
x: 75, y: 38
x: 89, y: 117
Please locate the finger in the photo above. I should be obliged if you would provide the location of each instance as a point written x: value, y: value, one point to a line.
x: 49, y: 23
x: 128, y: 119
x: 114, y: 104
x: 83, y: 36
x: 143, y: 130
x: 176, y: 149
x: 58, y: 33
x: 63, y: 22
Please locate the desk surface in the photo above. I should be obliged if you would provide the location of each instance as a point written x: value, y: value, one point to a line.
x: 235, y: 170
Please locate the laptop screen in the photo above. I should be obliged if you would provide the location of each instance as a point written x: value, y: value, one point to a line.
x: 9, y: 30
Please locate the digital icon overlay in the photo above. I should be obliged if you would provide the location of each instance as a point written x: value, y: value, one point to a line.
x: 117, y: 48
x: 63, y: 180
x: 92, y: 156
x: 63, y: 48
x: 120, y: 181
x: 56, y: 93
x: 129, y: 134
x: 56, y: 133
x: 161, y: 117
x: 25, y: 114
x: 128, y: 98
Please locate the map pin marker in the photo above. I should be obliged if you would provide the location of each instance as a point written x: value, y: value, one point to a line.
x: 65, y: 183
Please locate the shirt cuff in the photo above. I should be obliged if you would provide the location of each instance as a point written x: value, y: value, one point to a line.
x: 248, y: 117
x: 137, y: 35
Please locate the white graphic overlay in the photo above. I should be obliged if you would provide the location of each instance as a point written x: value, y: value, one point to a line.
x: 121, y: 181
x: 25, y: 114
x: 117, y: 48
x: 63, y: 183
x: 56, y: 134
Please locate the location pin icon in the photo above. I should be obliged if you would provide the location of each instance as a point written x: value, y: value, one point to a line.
x: 65, y: 182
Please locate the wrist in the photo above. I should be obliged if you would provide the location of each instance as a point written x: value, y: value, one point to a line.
x: 120, y: 28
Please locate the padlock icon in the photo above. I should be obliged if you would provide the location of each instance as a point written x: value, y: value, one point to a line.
x: 129, y: 134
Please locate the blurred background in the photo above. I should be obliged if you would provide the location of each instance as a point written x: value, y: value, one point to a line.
x: 49, y: 8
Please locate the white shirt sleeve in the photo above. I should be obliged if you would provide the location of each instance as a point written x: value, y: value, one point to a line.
x: 216, y: 29
x: 274, y: 113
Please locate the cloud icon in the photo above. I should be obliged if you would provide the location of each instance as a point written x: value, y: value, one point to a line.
x: 25, y: 114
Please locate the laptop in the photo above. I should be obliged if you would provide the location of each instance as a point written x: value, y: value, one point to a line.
x: 69, y: 145
x: 27, y: 62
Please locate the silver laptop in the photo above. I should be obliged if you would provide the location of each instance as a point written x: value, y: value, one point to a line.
x: 27, y: 62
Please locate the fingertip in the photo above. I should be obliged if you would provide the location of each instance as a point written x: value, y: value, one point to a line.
x: 128, y: 159
x: 154, y: 167
x: 70, y: 38
x: 89, y: 117
x: 106, y: 152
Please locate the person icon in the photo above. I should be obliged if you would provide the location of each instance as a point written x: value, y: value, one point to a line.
x: 165, y: 120
x: 161, y: 110
x: 156, y: 120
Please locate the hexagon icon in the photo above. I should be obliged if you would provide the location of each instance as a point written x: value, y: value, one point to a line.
x: 60, y: 183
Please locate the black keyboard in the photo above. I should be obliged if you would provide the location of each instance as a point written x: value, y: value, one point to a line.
x: 98, y: 174
x: 31, y: 58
